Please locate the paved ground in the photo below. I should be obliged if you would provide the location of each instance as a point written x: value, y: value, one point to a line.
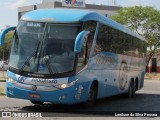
x: 2, y: 75
x: 147, y: 99
x: 2, y: 85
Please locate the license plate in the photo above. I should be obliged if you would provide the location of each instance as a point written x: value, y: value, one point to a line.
x: 32, y: 95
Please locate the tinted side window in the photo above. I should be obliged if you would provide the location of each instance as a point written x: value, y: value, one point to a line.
x: 83, y: 56
x: 113, y: 40
x: 102, y: 43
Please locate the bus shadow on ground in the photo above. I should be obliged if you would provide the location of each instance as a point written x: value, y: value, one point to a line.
x: 105, y: 106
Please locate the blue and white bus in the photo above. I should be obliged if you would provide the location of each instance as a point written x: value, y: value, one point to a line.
x: 71, y: 56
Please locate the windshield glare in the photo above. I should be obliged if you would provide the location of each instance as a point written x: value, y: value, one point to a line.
x: 43, y: 47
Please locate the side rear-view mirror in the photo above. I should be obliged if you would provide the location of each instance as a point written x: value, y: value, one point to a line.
x: 3, y: 33
x: 80, y: 40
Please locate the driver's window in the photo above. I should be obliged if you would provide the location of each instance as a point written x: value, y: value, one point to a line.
x: 81, y: 57
x: 84, y: 55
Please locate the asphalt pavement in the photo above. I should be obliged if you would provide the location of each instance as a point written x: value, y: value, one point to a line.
x: 2, y: 73
x: 3, y: 85
x: 146, y: 99
x: 2, y: 76
x: 148, y: 96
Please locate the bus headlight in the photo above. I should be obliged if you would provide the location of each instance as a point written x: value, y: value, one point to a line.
x: 11, y: 80
x: 65, y: 85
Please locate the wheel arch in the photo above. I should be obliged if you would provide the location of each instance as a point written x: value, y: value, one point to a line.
x: 92, y: 101
x: 94, y: 81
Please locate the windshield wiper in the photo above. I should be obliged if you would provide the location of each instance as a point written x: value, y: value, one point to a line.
x: 29, y: 58
x: 41, y: 52
x: 38, y: 54
x: 48, y: 65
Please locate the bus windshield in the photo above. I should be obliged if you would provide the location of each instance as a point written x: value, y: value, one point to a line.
x: 43, y: 47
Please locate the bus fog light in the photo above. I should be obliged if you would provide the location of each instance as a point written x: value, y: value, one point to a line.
x: 76, y: 88
x: 10, y: 91
x: 62, y: 97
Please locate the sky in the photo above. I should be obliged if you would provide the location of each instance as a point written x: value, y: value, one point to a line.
x: 9, y: 8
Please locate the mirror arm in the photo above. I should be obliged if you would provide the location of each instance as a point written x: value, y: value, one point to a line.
x: 3, y: 33
x: 80, y: 39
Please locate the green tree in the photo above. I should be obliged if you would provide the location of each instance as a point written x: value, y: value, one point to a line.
x: 143, y: 20
x: 5, y: 49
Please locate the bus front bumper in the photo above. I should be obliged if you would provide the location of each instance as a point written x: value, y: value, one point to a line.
x: 70, y: 95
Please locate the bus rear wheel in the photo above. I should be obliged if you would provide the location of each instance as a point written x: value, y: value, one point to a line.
x: 36, y: 102
x: 92, y: 96
x: 131, y: 90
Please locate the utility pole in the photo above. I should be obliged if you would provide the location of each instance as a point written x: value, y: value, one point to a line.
x: 112, y: 2
x: 3, y: 55
x: 3, y: 62
x: 115, y: 2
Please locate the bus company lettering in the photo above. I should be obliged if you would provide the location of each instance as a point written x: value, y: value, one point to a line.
x: 75, y: 2
x: 44, y: 81
x: 35, y: 75
x: 101, y: 59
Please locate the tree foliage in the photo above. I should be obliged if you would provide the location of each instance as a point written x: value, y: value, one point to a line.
x: 143, y: 20
x: 5, y: 49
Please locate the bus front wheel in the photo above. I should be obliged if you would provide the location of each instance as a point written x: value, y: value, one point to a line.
x: 92, y: 96
x: 36, y: 102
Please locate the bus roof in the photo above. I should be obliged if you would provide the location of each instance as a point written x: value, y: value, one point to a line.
x: 73, y: 15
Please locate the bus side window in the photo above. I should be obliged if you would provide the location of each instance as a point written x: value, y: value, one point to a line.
x: 97, y: 48
x: 81, y: 58
x: 91, y: 26
x: 102, y: 39
x: 84, y: 55
x: 86, y: 50
x: 89, y: 46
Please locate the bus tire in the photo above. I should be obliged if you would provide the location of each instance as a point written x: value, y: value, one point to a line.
x: 131, y: 90
x: 92, y: 96
x: 36, y: 102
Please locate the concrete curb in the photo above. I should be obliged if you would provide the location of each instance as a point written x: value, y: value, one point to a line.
x: 2, y: 80
x: 151, y: 78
